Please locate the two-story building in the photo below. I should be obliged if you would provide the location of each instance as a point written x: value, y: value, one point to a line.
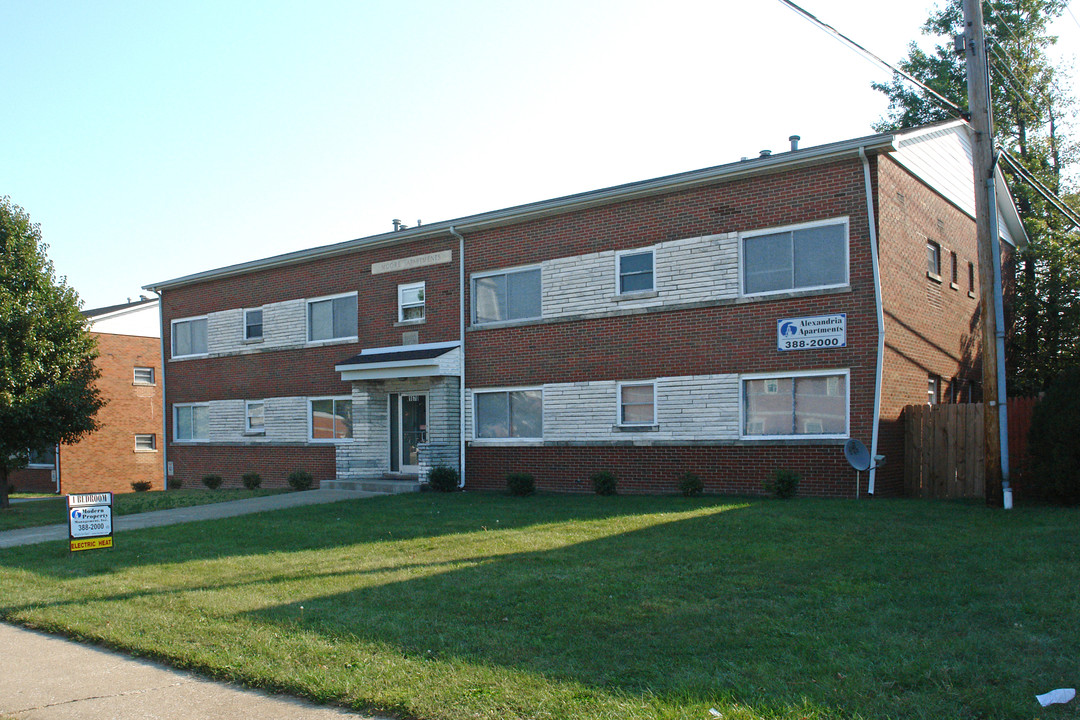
x: 729, y: 321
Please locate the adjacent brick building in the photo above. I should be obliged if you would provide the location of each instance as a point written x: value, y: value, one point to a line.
x: 126, y: 448
x: 728, y: 321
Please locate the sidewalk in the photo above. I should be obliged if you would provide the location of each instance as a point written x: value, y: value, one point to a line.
x: 50, y: 678
x: 213, y: 511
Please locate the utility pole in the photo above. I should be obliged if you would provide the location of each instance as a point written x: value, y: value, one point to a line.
x: 995, y: 422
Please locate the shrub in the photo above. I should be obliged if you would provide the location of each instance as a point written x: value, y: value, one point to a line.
x: 1054, y: 453
x: 604, y: 482
x: 521, y: 483
x: 141, y: 485
x: 783, y: 484
x: 175, y: 483
x: 300, y: 480
x: 443, y: 479
x: 251, y: 480
x: 212, y: 481
x: 690, y: 484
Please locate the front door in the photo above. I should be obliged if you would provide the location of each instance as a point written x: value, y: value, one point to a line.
x: 409, y: 429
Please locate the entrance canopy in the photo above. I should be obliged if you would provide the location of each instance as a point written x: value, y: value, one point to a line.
x: 402, y: 361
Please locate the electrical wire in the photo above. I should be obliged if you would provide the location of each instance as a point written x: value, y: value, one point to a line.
x: 1071, y: 215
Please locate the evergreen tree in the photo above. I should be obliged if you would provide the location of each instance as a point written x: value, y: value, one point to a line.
x: 1030, y: 107
x: 47, y: 374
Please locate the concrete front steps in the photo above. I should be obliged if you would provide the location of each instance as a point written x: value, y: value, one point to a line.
x: 382, y: 486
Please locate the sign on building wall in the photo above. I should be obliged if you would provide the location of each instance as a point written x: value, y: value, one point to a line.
x: 808, y: 333
x: 90, y: 521
x: 435, y: 258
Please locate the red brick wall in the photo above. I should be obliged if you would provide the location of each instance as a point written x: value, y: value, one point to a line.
x: 106, y: 460
x: 272, y: 462
x: 34, y: 480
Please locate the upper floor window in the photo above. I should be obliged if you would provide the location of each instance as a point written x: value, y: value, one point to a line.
x: 255, y: 416
x: 330, y: 418
x: 635, y: 270
x: 795, y: 258
x: 332, y: 318
x: 954, y: 276
x: 410, y: 302
x: 795, y: 405
x: 253, y: 324
x: 189, y: 337
x: 144, y: 376
x: 971, y: 279
x: 933, y: 259
x: 509, y: 414
x: 510, y: 295
x: 191, y: 422
x: 146, y: 443
x: 637, y: 403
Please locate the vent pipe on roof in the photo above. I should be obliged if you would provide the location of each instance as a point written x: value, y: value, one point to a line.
x: 765, y: 153
x: 794, y: 142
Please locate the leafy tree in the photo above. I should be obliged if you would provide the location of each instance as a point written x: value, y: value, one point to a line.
x: 47, y: 374
x: 1030, y: 106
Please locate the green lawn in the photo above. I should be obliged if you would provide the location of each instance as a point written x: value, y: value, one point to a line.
x: 53, y: 509
x: 483, y: 606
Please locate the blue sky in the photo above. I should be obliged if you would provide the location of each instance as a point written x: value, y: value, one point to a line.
x: 155, y: 140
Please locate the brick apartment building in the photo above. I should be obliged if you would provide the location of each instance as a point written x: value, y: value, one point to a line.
x: 126, y: 448
x: 728, y: 321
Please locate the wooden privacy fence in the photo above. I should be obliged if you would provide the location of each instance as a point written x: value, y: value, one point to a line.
x: 943, y: 448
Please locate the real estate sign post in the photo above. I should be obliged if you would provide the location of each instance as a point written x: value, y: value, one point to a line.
x: 90, y: 521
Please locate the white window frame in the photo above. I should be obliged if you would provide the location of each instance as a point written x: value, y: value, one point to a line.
x: 935, y: 247
x: 176, y: 424
x: 311, y: 418
x: 261, y: 324
x: 504, y: 271
x: 152, y: 447
x: 34, y: 465
x: 845, y: 372
x: 248, y: 429
x: 402, y: 305
x: 744, y: 236
x: 137, y: 381
x: 172, y: 336
x: 619, y: 255
x: 507, y: 390
x: 307, y: 319
x: 619, y: 402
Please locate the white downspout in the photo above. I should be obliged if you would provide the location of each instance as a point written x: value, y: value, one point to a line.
x: 880, y: 325
x: 461, y: 349
x: 164, y: 409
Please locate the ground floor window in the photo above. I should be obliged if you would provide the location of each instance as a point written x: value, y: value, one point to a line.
x: 330, y: 418
x: 795, y: 405
x: 191, y: 422
x: 509, y: 414
x: 43, y: 458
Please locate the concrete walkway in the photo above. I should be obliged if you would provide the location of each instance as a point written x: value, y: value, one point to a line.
x: 50, y: 678
x: 29, y: 536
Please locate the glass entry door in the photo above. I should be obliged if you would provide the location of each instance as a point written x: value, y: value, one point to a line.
x: 408, y: 428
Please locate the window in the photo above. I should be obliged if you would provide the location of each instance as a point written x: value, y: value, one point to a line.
x: 332, y: 318
x: 506, y: 296
x: 410, y: 302
x: 933, y: 390
x: 144, y: 376
x: 331, y: 418
x: 637, y: 403
x: 954, y: 270
x: 933, y: 259
x: 43, y: 458
x: 971, y: 279
x: 146, y: 443
x: 191, y: 422
x: 509, y: 414
x: 255, y: 416
x: 189, y: 337
x: 635, y: 271
x: 803, y: 404
x: 253, y: 324
x: 810, y: 256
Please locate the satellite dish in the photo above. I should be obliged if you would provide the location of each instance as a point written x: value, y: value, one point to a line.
x: 857, y: 454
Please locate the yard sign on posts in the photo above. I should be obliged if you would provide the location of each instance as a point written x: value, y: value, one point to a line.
x: 90, y: 521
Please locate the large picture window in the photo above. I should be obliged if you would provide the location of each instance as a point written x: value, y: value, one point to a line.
x: 191, y: 422
x: 331, y: 418
x: 509, y: 414
x: 797, y: 405
x: 512, y: 295
x: 796, y: 258
x: 189, y: 337
x: 332, y: 318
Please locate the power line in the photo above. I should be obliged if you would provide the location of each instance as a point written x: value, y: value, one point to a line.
x: 1047, y: 194
x: 844, y: 38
